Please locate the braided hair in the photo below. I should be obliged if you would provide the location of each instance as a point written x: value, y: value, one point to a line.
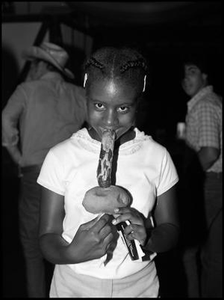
x: 120, y: 64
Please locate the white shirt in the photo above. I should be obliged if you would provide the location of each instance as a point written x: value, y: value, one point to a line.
x: 144, y: 167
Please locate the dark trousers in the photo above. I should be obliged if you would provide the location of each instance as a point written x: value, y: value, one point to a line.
x: 29, y: 206
x: 202, y: 257
x: 211, y: 250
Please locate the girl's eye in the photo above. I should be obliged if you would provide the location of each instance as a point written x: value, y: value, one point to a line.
x: 123, y: 109
x: 99, y: 106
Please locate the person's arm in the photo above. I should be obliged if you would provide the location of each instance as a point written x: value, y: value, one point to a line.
x: 10, y: 119
x: 207, y: 156
x: 209, y: 135
x: 14, y: 153
x: 91, y: 240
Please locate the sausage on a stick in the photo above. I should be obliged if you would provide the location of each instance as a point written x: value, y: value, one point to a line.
x: 105, y: 197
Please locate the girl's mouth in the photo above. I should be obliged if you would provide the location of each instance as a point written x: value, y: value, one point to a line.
x: 103, y: 130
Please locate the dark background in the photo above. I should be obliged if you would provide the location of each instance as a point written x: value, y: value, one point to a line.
x: 164, y: 32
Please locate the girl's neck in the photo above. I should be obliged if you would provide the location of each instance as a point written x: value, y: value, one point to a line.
x: 128, y: 136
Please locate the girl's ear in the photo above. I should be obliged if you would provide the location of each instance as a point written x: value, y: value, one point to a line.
x: 144, y: 85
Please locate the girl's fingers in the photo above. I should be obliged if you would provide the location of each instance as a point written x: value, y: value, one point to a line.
x: 122, y: 218
x: 122, y: 210
x: 100, y: 223
x: 127, y: 215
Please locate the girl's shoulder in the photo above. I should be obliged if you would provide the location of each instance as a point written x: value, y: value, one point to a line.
x: 148, y: 139
x: 142, y: 142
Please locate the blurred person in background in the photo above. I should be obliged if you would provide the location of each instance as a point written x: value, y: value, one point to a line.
x: 202, y: 224
x: 43, y: 111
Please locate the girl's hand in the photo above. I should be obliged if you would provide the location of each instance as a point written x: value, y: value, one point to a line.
x: 136, y: 230
x: 92, y: 239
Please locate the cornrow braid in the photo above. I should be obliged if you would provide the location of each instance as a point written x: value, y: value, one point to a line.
x: 95, y: 63
x: 132, y: 64
x: 124, y: 65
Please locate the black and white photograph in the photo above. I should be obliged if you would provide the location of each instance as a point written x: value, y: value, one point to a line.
x: 112, y: 149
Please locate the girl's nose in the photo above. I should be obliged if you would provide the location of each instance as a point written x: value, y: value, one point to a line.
x: 111, y: 118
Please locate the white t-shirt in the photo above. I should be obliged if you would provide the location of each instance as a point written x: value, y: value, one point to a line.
x: 144, y: 168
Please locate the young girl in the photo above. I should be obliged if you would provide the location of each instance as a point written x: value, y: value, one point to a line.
x: 78, y: 241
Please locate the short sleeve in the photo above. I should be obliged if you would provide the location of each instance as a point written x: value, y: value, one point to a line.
x: 168, y: 174
x: 52, y: 174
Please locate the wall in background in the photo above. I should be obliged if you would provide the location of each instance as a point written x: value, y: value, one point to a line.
x: 16, y: 37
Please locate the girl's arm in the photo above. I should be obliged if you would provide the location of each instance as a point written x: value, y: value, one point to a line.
x: 165, y: 234
x: 91, y: 241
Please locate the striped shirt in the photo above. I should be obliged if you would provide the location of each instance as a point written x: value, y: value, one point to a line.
x: 204, y: 123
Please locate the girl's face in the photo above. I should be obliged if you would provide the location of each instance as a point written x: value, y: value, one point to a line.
x: 111, y: 105
x: 194, y: 80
